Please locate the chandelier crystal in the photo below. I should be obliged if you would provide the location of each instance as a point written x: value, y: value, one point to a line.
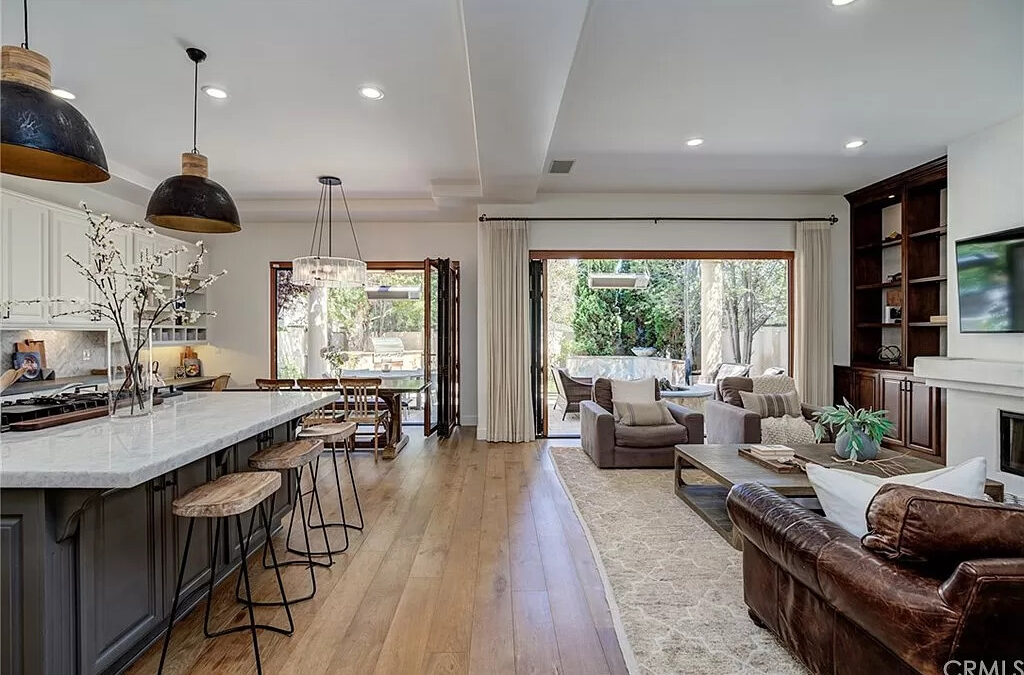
x: 329, y: 271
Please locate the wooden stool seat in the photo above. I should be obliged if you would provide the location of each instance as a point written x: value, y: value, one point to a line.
x: 289, y: 455
x: 329, y: 429
x: 229, y: 495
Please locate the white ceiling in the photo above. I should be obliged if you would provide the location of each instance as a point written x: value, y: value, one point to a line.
x: 776, y: 87
x: 481, y: 94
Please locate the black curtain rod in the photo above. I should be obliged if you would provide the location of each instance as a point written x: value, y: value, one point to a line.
x: 832, y: 220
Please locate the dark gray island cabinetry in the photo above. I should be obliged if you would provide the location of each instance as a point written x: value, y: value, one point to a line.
x: 88, y: 546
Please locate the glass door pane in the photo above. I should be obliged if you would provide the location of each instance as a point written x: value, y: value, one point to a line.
x: 430, y: 343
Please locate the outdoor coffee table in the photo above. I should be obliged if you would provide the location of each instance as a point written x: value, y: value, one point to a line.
x: 692, y: 397
x: 726, y: 467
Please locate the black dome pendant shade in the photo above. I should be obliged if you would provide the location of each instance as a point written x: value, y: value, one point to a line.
x: 43, y: 136
x: 191, y: 202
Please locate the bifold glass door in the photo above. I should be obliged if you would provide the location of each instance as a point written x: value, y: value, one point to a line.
x: 441, y: 346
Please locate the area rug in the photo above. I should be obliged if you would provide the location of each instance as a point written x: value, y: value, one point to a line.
x: 677, y: 585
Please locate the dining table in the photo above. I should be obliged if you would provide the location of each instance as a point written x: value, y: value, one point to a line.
x: 390, y: 393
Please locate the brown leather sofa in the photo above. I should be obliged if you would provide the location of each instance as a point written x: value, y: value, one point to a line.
x: 612, y: 445
x: 844, y: 609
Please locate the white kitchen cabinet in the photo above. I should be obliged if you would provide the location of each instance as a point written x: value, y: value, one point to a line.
x: 35, y: 239
x: 24, y: 247
x: 68, y: 238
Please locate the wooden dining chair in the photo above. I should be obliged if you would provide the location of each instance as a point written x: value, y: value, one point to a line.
x: 363, y: 405
x: 266, y: 384
x: 329, y: 414
x: 220, y: 383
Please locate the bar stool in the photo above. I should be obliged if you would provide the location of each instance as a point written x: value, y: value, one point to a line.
x: 323, y: 424
x: 292, y: 457
x: 226, y: 497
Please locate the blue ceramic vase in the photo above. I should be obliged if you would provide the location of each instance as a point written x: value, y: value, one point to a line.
x: 868, y: 448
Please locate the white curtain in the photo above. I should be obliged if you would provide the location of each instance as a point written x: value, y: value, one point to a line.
x: 507, y: 283
x: 812, y: 349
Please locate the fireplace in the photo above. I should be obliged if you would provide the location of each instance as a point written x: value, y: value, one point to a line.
x: 1011, y: 442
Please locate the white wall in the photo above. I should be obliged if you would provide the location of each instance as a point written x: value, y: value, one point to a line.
x: 240, y: 334
x: 986, y: 194
x: 596, y: 235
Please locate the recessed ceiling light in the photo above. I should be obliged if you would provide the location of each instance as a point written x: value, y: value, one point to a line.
x: 840, y: 3
x: 372, y: 93
x: 694, y: 142
x: 856, y: 143
x: 214, y: 92
x: 63, y: 93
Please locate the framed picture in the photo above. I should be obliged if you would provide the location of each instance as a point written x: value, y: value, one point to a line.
x: 31, y: 361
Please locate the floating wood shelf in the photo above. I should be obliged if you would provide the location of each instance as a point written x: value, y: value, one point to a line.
x: 925, y: 324
x: 878, y: 324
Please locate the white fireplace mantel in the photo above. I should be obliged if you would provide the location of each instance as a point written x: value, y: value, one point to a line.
x: 1002, y: 378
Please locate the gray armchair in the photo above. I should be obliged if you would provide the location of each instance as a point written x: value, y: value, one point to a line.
x: 612, y: 445
x: 729, y: 423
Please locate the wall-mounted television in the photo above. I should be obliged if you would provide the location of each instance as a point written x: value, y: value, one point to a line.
x: 990, y: 277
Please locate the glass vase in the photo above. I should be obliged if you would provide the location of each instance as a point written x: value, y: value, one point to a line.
x: 130, y: 378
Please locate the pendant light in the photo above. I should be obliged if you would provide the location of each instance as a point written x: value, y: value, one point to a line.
x: 192, y: 202
x: 329, y: 271
x: 43, y: 136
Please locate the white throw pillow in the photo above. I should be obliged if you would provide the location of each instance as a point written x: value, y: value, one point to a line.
x: 786, y: 430
x: 845, y: 495
x: 633, y: 391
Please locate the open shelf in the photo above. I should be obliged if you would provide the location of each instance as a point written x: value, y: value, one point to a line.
x: 878, y: 244
x: 933, y: 232
x: 939, y: 278
x: 878, y: 285
x: 878, y: 324
x: 926, y: 324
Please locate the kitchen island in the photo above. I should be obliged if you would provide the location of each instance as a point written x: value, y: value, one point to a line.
x: 89, y: 548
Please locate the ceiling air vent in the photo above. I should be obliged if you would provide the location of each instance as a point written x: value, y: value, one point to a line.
x: 561, y: 165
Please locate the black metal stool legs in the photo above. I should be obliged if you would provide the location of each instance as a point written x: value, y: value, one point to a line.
x: 268, y: 545
x: 177, y: 593
x: 322, y: 525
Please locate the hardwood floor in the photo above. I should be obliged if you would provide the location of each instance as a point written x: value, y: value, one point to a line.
x: 472, y: 561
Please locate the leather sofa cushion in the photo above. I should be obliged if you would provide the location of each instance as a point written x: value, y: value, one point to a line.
x: 650, y: 437
x: 729, y: 389
x: 893, y: 603
x: 912, y: 524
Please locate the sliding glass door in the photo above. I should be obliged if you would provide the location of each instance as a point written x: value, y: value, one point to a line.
x: 441, y: 346
x: 672, y: 315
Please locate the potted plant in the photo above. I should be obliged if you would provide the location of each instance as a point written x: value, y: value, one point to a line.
x: 860, y: 430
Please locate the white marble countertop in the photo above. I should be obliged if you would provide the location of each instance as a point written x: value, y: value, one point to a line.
x: 105, y: 453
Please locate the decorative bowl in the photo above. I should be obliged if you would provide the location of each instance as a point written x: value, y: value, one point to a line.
x: 643, y: 351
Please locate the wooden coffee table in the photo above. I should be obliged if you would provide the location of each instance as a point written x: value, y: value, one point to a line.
x: 726, y: 467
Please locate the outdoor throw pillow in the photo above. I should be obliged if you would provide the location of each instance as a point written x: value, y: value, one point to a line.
x: 633, y: 391
x: 772, y: 405
x: 642, y: 414
x: 845, y: 495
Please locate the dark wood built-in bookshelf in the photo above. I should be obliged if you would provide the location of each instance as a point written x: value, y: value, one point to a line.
x: 920, y: 261
x: 918, y: 254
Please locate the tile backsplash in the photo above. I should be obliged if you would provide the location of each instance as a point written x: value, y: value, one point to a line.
x: 69, y: 353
